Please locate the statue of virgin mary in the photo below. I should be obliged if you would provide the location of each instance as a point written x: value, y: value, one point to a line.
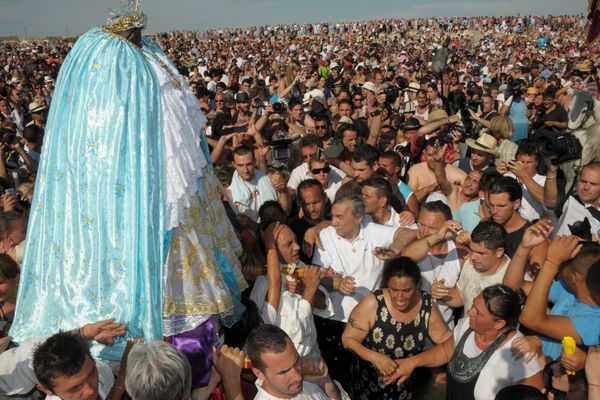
x: 126, y: 220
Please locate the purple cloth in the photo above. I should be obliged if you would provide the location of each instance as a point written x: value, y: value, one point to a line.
x: 197, y: 346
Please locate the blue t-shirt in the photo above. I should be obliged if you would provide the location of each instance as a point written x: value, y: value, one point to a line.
x: 585, y: 319
x: 405, y: 190
x: 468, y: 215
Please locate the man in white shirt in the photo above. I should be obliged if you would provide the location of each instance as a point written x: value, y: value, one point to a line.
x: 485, y: 267
x: 378, y: 198
x: 309, y: 146
x: 250, y: 187
x: 523, y: 169
x: 282, y: 374
x: 435, y: 252
x: 352, y: 247
x: 577, y: 207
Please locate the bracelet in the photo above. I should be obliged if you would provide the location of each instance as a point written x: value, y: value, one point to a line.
x: 552, y: 262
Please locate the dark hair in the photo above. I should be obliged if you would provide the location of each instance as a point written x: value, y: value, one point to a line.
x: 271, y: 211
x: 293, y: 103
x: 521, y: 392
x: 62, y: 354
x: 393, y: 156
x: 508, y: 185
x: 486, y: 180
x: 381, y: 185
x: 265, y: 338
x: 592, y: 280
x: 310, y: 140
x: 438, y: 206
x: 306, y: 184
x: 527, y: 149
x: 7, y: 220
x: 491, y: 234
x: 345, y: 101
x: 343, y: 128
x: 9, y: 269
x: 399, y: 268
x: 242, y: 151
x: 365, y: 152
x: 504, y: 303
x: 32, y: 133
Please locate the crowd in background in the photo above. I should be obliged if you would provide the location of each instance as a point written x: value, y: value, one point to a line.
x: 400, y: 221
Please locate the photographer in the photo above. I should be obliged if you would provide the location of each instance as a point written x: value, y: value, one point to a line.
x: 585, y: 203
x: 484, y: 119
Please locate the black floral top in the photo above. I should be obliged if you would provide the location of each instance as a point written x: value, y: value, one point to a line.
x: 396, y: 340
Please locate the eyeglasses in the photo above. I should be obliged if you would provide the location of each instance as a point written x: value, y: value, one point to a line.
x: 317, y: 171
x: 321, y: 127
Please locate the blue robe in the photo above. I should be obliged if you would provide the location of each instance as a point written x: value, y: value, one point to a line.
x: 95, y: 242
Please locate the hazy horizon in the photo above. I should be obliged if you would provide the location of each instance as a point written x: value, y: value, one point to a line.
x: 34, y: 18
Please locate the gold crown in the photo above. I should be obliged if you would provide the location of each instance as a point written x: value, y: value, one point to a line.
x: 121, y: 24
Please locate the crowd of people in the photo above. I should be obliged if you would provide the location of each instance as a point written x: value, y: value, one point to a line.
x: 400, y: 222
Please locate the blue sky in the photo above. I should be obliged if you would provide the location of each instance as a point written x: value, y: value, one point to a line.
x: 58, y: 17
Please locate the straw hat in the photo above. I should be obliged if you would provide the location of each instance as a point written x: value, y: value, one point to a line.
x: 485, y: 142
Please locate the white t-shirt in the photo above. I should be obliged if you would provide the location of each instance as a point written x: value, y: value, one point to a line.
x: 501, y: 370
x: 300, y: 173
x: 294, y: 315
x: 447, y: 268
x: 310, y: 391
x: 530, y: 208
x: 355, y: 259
x: 574, y: 211
x: 471, y: 282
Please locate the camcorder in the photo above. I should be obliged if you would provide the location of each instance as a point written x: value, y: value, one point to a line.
x: 561, y: 147
x: 281, y: 145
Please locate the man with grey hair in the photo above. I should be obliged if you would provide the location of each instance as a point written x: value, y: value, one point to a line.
x: 354, y: 249
x: 158, y: 371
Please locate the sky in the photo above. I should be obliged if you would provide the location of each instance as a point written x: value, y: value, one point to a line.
x: 27, y: 18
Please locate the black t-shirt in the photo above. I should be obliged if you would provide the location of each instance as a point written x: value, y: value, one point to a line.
x: 513, y: 240
x: 559, y: 114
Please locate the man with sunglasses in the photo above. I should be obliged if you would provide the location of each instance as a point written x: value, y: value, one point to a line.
x: 323, y: 128
x: 309, y: 148
x: 321, y: 171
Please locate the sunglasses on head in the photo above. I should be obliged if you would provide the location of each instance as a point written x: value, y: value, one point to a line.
x: 317, y: 171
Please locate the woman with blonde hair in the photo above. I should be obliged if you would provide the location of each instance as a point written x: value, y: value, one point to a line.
x: 503, y: 130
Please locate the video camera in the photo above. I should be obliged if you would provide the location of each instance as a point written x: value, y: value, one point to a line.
x: 281, y: 145
x: 560, y: 146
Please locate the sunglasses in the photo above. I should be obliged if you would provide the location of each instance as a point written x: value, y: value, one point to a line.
x: 320, y: 126
x: 317, y: 171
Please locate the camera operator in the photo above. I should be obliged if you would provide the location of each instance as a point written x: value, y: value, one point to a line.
x: 484, y: 119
